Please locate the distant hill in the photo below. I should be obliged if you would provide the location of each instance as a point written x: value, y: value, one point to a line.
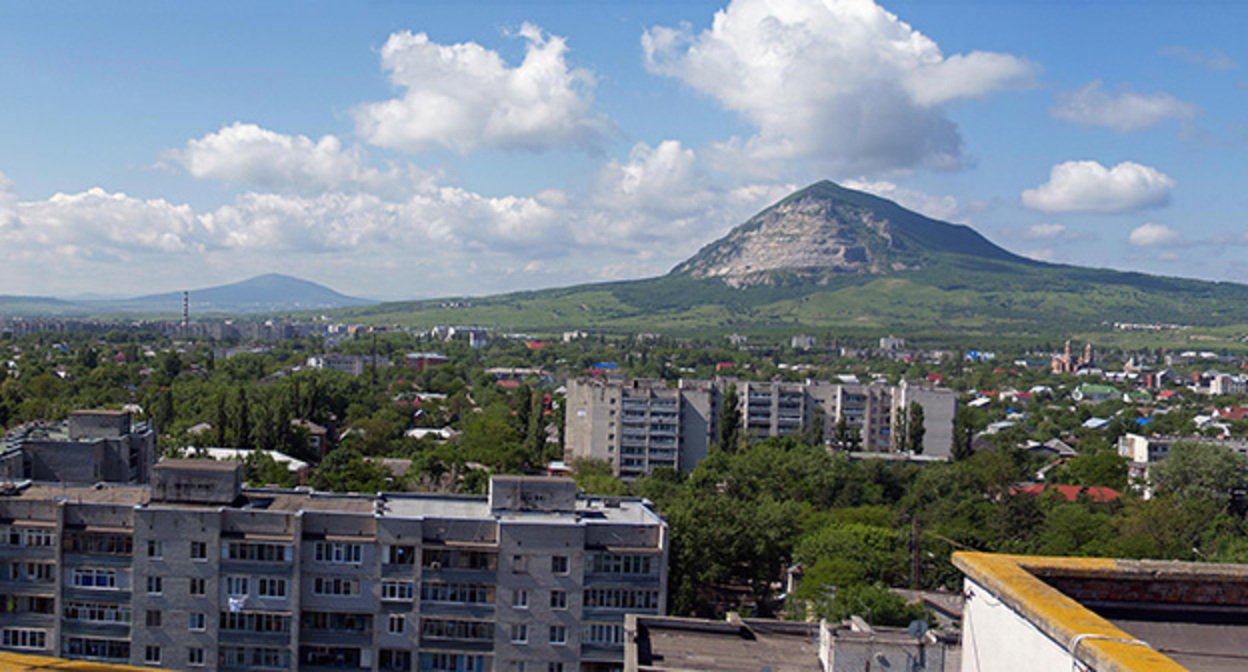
x: 262, y: 294
x: 272, y: 292
x: 832, y: 258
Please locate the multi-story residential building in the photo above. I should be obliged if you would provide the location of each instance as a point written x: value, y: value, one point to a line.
x: 637, y: 425
x: 90, y: 447
x: 354, y: 365
x: 195, y: 572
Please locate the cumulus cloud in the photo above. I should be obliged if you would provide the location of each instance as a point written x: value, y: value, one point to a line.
x: 1153, y: 235
x: 841, y: 82
x: 1210, y: 58
x: 248, y: 154
x: 1088, y: 186
x: 944, y: 208
x: 463, y: 97
x: 1124, y: 111
x: 1044, y: 231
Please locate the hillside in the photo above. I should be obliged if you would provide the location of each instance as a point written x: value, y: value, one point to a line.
x: 832, y: 258
x: 261, y: 294
x: 272, y: 292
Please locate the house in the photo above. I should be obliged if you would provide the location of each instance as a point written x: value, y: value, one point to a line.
x: 423, y: 360
x: 1093, y: 393
x: 1070, y: 493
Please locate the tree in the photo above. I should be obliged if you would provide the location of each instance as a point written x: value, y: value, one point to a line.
x: 345, y: 470
x: 963, y: 436
x: 729, y: 419
x: 240, y: 417
x: 915, y: 429
x: 1199, y: 470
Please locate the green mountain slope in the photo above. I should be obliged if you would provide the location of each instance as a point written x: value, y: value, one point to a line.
x: 883, y: 268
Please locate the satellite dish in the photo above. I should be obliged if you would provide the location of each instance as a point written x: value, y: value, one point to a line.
x: 917, y: 628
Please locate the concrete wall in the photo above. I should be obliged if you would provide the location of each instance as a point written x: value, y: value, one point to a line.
x: 995, y: 637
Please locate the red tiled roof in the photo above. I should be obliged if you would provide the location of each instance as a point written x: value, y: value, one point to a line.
x: 1097, y: 493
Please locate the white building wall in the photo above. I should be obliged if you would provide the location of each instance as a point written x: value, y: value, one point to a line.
x: 996, y: 638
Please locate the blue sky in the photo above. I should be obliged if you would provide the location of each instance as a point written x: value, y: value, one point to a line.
x: 414, y: 149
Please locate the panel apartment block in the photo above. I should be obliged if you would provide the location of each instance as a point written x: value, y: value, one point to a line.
x: 637, y: 425
x: 196, y: 573
x: 91, y: 446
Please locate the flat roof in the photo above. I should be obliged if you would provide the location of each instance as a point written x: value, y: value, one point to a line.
x: 673, y: 643
x: 1138, y: 615
x: 396, y: 505
x: 18, y: 662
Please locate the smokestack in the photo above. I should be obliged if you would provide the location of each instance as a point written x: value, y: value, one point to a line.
x: 186, y: 309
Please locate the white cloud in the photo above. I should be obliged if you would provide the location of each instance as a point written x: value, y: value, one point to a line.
x: 248, y: 154
x: 1123, y: 111
x: 1044, y: 231
x: 1211, y: 58
x: 844, y: 83
x: 1088, y: 186
x: 463, y: 97
x: 944, y: 208
x: 1040, y: 254
x: 1153, y: 235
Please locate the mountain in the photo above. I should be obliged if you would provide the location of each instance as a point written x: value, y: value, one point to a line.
x: 272, y: 292
x: 261, y: 294
x: 827, y: 259
x: 826, y: 228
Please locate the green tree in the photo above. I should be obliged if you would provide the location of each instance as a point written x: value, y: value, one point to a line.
x: 345, y: 470
x: 729, y: 419
x: 1203, y: 470
x: 915, y: 431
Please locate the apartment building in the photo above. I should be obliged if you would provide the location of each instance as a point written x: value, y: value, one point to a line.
x: 637, y: 425
x: 195, y: 572
x: 91, y: 446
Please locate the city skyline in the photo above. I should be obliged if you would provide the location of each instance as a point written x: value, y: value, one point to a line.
x: 417, y: 150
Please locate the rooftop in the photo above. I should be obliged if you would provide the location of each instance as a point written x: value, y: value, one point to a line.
x: 1147, y: 615
x: 672, y: 643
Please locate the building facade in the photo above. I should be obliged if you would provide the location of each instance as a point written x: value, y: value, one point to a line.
x: 195, y: 572
x: 90, y: 447
x: 637, y: 425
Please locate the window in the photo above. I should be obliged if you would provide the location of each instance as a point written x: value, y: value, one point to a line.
x: 155, y: 585
x: 437, y: 628
x: 519, y: 633
x: 272, y: 588
x: 105, y: 543
x: 33, y: 572
x: 400, y: 555
x: 520, y: 599
x: 155, y: 549
x: 398, y: 590
x: 248, y: 551
x: 236, y: 586
x: 199, y: 551
x: 613, y: 563
x: 93, y: 578
x: 621, y: 598
x: 197, y: 587
x: 198, y: 621
x: 554, y: 667
x: 153, y: 618
x: 611, y: 634
x: 151, y: 655
x: 558, y: 634
x: 96, y: 612
x: 395, y: 624
x: 195, y: 656
x: 254, y: 621
x: 558, y: 599
x: 339, y: 553
x: 92, y: 647
x: 463, y: 593
x: 39, y: 538
x: 325, y: 585
x: 22, y: 638
x: 559, y: 564
x: 519, y: 564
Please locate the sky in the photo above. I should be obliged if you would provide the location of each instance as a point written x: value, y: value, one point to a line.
x: 397, y: 150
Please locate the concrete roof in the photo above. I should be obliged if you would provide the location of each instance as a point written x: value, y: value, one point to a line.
x: 1146, y: 615
x: 672, y: 644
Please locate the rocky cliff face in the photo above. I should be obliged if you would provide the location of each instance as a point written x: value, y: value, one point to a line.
x: 826, y: 229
